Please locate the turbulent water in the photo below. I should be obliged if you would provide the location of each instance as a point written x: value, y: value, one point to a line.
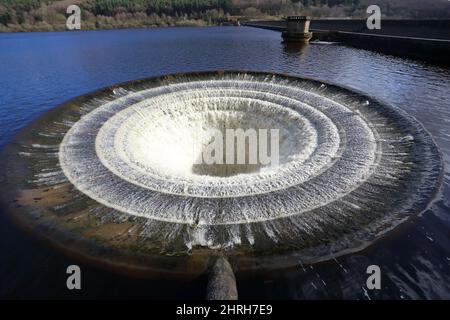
x: 409, y: 270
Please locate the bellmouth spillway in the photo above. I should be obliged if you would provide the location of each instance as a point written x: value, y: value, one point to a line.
x: 113, y: 170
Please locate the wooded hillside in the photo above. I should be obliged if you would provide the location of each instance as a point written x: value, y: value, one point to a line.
x: 48, y: 15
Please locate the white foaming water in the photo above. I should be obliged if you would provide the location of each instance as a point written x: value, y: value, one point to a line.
x: 150, y: 144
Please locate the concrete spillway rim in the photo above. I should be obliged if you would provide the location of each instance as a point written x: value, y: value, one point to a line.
x: 102, y: 259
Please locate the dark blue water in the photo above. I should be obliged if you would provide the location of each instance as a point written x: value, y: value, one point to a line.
x: 38, y: 71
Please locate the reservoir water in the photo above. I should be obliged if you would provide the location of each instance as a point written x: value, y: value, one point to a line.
x: 38, y: 71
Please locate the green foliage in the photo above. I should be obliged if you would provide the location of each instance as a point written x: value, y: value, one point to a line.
x: 330, y: 3
x: 5, y: 18
x: 21, y: 4
x: 168, y: 7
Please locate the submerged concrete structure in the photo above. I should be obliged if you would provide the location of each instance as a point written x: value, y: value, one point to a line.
x: 297, y: 29
x: 221, y: 282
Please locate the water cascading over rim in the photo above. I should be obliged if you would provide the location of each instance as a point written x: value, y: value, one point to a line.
x: 114, y: 170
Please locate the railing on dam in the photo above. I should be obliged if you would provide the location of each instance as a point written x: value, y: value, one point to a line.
x: 432, y: 29
x: 419, y: 39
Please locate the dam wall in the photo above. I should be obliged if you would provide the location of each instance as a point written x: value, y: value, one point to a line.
x: 430, y: 29
x: 427, y: 40
x: 431, y: 50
